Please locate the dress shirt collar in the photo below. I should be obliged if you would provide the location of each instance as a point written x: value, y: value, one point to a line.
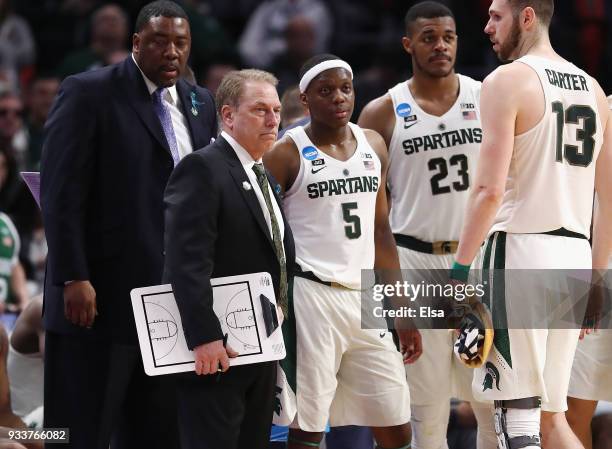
x: 152, y: 87
x: 245, y: 158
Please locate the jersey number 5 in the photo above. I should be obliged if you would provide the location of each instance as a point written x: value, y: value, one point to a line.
x: 439, y: 164
x: 574, y: 155
x: 353, y: 230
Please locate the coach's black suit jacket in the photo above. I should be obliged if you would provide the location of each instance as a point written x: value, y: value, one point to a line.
x: 215, y: 227
x: 105, y: 165
x: 104, y: 168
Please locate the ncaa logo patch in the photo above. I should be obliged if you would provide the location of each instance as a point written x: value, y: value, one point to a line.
x: 403, y: 109
x: 310, y: 153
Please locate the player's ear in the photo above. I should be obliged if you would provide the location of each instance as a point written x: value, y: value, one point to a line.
x: 304, y: 100
x: 407, y: 44
x: 528, y: 18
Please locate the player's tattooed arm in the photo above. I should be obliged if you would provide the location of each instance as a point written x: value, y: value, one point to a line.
x: 283, y: 162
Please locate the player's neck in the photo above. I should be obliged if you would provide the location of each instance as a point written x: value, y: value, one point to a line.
x: 423, y: 86
x: 323, y: 135
x: 537, y: 45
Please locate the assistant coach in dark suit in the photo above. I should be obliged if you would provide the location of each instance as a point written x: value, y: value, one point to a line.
x: 113, y: 139
x: 223, y: 218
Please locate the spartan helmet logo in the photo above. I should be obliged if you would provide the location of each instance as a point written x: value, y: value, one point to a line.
x: 492, y: 375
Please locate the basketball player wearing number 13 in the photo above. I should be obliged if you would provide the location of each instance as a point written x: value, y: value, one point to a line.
x: 546, y: 148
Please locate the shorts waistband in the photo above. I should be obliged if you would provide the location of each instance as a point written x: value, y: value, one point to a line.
x: 312, y: 277
x: 562, y: 232
x: 437, y: 248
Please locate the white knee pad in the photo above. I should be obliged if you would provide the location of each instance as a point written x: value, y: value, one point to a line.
x: 517, y: 423
x: 429, y: 425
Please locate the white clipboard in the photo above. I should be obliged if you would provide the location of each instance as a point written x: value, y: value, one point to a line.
x: 246, y: 308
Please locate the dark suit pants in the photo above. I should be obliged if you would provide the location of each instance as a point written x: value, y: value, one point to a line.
x: 228, y: 411
x: 98, y: 389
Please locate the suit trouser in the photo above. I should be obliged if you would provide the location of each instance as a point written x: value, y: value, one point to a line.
x: 98, y: 389
x: 232, y: 410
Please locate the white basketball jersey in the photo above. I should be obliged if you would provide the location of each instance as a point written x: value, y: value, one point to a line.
x: 552, y: 173
x: 431, y: 162
x: 331, y: 208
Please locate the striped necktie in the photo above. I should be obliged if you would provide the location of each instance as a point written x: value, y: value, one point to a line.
x: 166, y: 122
x: 262, y: 180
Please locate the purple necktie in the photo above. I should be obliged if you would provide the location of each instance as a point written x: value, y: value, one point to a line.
x: 166, y: 122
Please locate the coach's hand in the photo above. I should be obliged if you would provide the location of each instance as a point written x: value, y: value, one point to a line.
x: 80, y: 303
x: 209, y: 356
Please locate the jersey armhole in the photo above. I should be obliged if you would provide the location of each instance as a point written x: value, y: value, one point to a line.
x: 393, y: 139
x: 545, y: 114
x: 299, y: 179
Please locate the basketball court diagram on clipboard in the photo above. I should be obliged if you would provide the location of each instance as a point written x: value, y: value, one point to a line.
x: 246, y: 310
x: 163, y: 330
x: 237, y: 319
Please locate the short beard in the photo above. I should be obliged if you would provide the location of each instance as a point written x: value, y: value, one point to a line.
x: 511, y: 44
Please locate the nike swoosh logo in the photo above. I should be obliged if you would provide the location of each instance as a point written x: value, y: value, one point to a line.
x: 410, y: 126
x: 317, y: 171
x: 382, y: 334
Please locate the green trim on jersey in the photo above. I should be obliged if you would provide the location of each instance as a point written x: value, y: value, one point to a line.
x: 501, y: 339
x: 9, y: 256
x: 9, y: 239
x: 289, y: 363
x: 485, y: 271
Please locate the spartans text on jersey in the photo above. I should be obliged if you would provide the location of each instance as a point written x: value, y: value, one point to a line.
x: 446, y: 139
x: 342, y: 186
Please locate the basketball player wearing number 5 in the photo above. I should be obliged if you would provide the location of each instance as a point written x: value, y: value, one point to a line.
x: 333, y: 174
x: 546, y: 148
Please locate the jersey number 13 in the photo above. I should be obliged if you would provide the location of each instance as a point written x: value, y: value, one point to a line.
x: 574, y: 155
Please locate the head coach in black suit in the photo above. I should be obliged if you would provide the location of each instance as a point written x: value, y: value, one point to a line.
x: 223, y: 218
x: 113, y: 138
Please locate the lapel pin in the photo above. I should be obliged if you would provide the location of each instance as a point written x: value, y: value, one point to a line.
x: 277, y: 189
x: 195, y: 104
x: 246, y: 186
